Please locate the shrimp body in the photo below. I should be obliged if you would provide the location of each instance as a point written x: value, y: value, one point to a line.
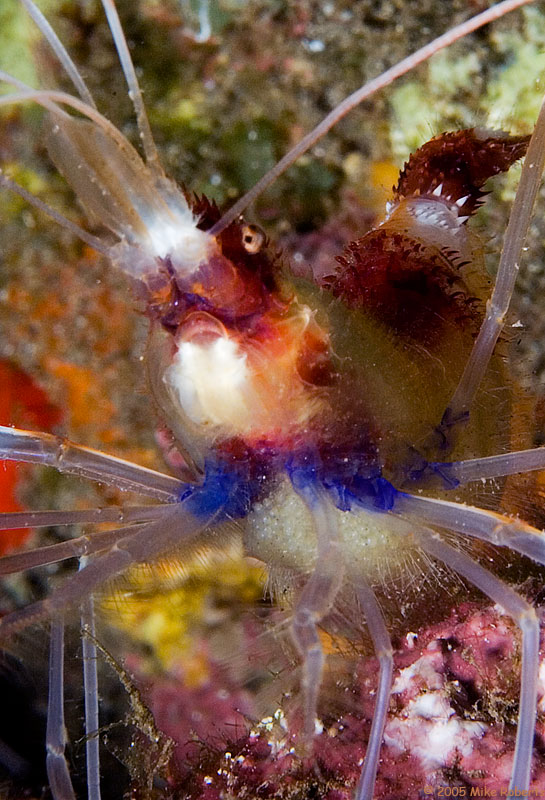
x: 272, y: 383
x: 330, y: 419
x: 269, y: 374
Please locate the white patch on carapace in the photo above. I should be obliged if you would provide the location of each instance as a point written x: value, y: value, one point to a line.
x: 186, y: 245
x: 432, y: 219
x: 172, y: 230
x: 169, y: 236
x: 210, y: 380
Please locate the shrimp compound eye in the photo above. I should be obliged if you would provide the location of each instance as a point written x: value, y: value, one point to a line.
x: 253, y: 238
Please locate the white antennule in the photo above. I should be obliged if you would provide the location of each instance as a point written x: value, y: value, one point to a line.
x: 145, y: 210
x: 357, y: 97
x: 60, y: 51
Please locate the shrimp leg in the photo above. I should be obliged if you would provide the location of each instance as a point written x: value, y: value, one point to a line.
x: 315, y: 601
x: 57, y: 767
x: 508, y: 269
x: 149, y: 541
x: 43, y: 448
x: 79, y: 547
x: 526, y: 619
x: 480, y: 523
x: 478, y: 469
x: 90, y: 690
x: 384, y: 653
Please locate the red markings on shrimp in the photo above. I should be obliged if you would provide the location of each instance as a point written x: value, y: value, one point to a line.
x: 409, y: 272
x: 340, y: 432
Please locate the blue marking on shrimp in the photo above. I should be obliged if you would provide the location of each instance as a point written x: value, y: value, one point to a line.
x: 352, y: 483
x: 228, y: 491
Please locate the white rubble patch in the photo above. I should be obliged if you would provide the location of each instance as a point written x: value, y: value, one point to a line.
x: 541, y: 687
x: 428, y: 727
x: 421, y: 673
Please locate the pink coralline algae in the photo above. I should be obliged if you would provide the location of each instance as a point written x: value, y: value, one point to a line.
x: 452, y: 723
x: 455, y: 704
x: 198, y: 718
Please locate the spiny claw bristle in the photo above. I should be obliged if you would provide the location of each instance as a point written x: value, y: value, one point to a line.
x: 462, y: 161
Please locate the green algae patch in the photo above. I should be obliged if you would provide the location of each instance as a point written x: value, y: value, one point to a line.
x: 419, y: 110
x: 514, y: 98
x: 18, y: 37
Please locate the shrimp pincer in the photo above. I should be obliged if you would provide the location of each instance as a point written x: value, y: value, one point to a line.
x: 316, y: 417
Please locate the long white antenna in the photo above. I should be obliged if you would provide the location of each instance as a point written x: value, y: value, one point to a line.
x: 51, y: 98
x: 150, y: 150
x: 59, y: 218
x: 363, y: 93
x: 508, y: 269
x: 60, y: 51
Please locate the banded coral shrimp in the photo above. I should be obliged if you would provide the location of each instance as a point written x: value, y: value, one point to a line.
x: 368, y: 489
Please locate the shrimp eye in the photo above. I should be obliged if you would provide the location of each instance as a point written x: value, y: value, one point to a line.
x: 253, y: 238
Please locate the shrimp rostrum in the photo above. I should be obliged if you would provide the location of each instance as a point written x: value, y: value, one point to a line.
x: 318, y: 416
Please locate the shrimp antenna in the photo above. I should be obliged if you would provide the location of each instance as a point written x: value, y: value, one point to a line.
x: 12, y: 81
x: 357, y: 97
x: 150, y: 150
x: 59, y: 218
x: 60, y: 51
x: 50, y: 100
